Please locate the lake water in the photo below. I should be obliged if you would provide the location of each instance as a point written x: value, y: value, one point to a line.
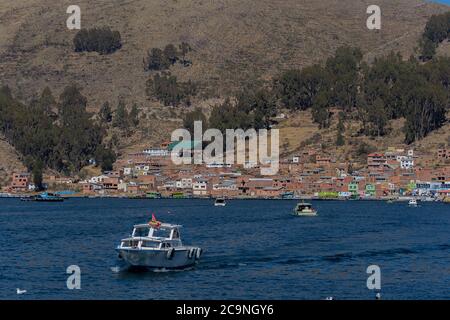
x: 252, y: 249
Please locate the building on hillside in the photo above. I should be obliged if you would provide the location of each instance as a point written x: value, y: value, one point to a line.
x: 147, y: 182
x: 353, y: 188
x: 110, y: 184
x: 376, y: 161
x: 98, y: 179
x: 323, y: 160
x: 184, y: 183
x: 156, y: 152
x: 20, y: 182
x: 406, y: 162
x: 443, y: 154
x: 200, y: 187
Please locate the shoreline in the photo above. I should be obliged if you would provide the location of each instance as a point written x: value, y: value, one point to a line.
x: 306, y: 198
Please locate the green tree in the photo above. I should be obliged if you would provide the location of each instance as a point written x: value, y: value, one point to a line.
x: 121, y: 117
x: 156, y: 60
x: 134, y: 115
x: 320, y: 110
x: 377, y: 117
x: 106, y: 113
x: 171, y: 53
x: 37, y: 175
x: 340, y: 141
x: 105, y: 158
x: 344, y: 70
x: 191, y: 117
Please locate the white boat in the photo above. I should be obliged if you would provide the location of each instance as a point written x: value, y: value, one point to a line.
x: 157, y: 245
x: 220, y: 202
x: 412, y: 203
x: 304, y: 209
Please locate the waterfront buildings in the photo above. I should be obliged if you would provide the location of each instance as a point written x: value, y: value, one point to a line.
x: 309, y: 173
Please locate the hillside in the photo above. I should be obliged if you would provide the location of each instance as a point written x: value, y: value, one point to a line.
x: 233, y: 42
x: 9, y: 161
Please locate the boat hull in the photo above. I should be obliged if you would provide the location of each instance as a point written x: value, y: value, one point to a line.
x: 305, y: 214
x: 158, y: 258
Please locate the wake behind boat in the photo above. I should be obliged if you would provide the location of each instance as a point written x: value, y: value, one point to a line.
x: 157, y: 245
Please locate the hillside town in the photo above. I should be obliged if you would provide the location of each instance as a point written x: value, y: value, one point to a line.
x: 388, y: 174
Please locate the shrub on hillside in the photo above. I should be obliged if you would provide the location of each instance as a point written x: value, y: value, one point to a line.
x: 101, y: 40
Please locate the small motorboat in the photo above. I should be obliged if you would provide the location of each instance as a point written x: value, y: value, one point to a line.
x: 27, y: 199
x: 304, y: 209
x: 157, y: 245
x: 412, y: 203
x: 220, y: 202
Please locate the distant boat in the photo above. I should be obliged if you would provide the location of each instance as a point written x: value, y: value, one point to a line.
x: 412, y: 203
x: 220, y: 202
x: 27, y: 198
x: 304, y: 209
x: 45, y: 197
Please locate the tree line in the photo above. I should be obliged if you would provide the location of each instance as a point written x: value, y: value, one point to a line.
x: 390, y: 88
x: 436, y: 31
x: 102, y: 40
x: 121, y: 118
x: 60, y: 135
x: 166, y: 88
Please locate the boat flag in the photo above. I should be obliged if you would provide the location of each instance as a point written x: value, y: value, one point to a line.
x: 155, y: 223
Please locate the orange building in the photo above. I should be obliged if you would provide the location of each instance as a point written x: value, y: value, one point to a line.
x: 20, y: 182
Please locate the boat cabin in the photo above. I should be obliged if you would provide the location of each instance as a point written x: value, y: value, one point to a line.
x: 303, y: 206
x: 147, y: 236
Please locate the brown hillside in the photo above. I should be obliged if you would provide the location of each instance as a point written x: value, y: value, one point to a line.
x: 9, y: 161
x: 234, y: 41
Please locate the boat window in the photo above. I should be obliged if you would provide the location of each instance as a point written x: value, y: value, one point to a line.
x: 161, y: 233
x: 141, y: 232
x: 130, y: 243
x: 166, y: 245
x: 126, y: 243
x: 176, y: 234
x: 150, y: 244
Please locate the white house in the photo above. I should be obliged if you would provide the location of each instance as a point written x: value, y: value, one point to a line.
x: 200, y: 188
x: 406, y: 162
x: 98, y: 179
x: 156, y: 152
x: 127, y: 171
x: 185, y: 183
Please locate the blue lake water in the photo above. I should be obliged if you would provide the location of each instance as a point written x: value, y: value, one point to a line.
x: 252, y: 249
